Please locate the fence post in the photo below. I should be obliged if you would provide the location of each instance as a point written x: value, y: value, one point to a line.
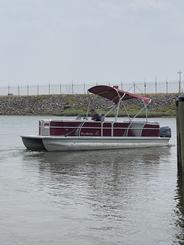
x: 27, y: 89
x: 60, y: 88
x: 121, y: 85
x: 156, y: 86
x: 8, y: 89
x: 166, y: 87
x: 72, y: 87
x: 134, y: 87
x: 144, y: 87
x: 18, y: 88
x: 84, y: 88
x: 37, y: 89
x: 49, y: 88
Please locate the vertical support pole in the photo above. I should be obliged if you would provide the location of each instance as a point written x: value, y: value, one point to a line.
x: 144, y: 87
x: 18, y: 88
x: 72, y: 87
x: 37, y: 89
x: 134, y: 87
x: 60, y: 88
x: 155, y: 85
x: 166, y: 87
x: 27, y: 89
x: 121, y: 85
x: 49, y: 88
x: 8, y: 89
x: 84, y: 88
x: 180, y: 134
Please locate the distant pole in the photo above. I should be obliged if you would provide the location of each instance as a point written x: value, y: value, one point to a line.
x: 166, y: 87
x: 179, y: 81
x: 144, y: 87
x: 134, y: 87
x: 121, y: 85
x: 37, y: 89
x: 155, y: 85
x: 60, y: 88
x: 28, y: 89
x: 18, y: 90
x: 49, y: 88
x: 8, y: 90
x: 84, y: 88
x: 72, y: 87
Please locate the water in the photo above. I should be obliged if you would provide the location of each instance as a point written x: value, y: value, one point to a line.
x: 101, y: 197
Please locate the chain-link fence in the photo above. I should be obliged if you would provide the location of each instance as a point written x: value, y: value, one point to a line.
x: 81, y: 88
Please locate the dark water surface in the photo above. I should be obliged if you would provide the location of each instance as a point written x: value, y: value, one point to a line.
x: 100, y: 197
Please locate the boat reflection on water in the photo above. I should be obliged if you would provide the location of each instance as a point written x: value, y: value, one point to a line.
x: 103, y: 193
x: 97, y: 165
x: 50, y: 160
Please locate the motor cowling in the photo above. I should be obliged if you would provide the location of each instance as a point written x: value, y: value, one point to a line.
x: 165, y: 131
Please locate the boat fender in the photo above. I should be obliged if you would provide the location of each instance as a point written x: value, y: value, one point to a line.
x: 165, y: 131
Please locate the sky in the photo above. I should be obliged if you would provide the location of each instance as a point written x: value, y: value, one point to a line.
x: 78, y: 41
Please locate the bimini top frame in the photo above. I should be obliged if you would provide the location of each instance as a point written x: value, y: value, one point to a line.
x: 117, y: 96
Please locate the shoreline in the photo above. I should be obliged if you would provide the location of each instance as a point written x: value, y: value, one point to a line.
x: 162, y: 105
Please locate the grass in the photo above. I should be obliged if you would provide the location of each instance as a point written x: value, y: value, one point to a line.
x: 167, y: 112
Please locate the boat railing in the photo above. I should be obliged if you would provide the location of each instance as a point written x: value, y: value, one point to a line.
x: 136, y: 129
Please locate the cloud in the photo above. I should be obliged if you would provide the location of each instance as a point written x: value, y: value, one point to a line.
x: 79, y: 39
x: 150, y: 4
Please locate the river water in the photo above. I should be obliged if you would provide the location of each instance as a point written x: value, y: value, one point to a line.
x: 87, y: 198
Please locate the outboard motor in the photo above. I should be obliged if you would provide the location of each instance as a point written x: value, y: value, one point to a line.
x: 165, y: 132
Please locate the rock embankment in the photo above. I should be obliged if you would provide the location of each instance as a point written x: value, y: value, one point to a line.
x: 58, y: 104
x: 39, y: 105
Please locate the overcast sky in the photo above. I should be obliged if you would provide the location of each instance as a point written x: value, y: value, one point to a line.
x: 90, y: 40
